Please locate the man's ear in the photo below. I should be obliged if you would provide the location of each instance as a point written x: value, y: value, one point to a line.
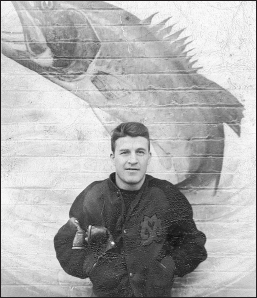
x: 112, y: 157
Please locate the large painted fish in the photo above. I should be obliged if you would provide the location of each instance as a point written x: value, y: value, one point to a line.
x: 134, y: 71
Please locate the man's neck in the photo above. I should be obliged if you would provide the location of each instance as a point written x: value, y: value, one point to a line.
x: 128, y: 187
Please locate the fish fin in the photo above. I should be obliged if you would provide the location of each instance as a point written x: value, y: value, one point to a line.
x: 198, y: 181
x: 231, y: 112
x: 165, y: 31
x: 233, y: 117
x: 165, y: 162
x: 179, y: 43
x: 102, y: 83
x: 148, y: 20
x: 198, y: 162
x: 177, y: 47
x: 158, y: 27
x: 174, y: 36
x: 209, y: 171
x: 191, y: 64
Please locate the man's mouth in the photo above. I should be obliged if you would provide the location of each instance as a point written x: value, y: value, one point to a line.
x: 131, y: 169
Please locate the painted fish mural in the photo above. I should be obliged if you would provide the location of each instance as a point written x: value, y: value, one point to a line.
x: 53, y: 145
x: 134, y: 71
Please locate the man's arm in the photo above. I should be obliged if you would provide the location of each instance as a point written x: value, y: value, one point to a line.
x: 186, y: 242
x: 77, y: 253
x: 189, y: 250
x: 76, y: 262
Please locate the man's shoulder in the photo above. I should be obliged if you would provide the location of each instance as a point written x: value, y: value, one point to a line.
x: 180, y: 205
x: 89, y: 199
x: 94, y: 189
x: 166, y: 186
x: 160, y: 183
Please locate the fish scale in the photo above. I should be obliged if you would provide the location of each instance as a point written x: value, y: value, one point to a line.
x: 158, y: 81
x: 170, y: 98
x: 135, y: 70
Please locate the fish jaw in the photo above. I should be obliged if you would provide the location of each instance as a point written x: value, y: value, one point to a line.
x: 60, y: 40
x: 31, y: 44
x: 35, y: 40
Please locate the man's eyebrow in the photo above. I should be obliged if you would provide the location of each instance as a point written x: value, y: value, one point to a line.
x: 123, y: 149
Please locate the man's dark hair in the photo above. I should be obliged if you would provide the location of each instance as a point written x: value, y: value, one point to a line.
x: 131, y: 129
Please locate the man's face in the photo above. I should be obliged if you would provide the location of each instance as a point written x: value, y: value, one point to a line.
x: 131, y: 158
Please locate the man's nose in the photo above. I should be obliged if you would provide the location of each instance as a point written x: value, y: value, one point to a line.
x: 132, y: 159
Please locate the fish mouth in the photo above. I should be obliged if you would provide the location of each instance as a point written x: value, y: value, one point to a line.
x: 12, y: 36
x: 30, y: 42
x: 51, y: 41
x: 15, y: 40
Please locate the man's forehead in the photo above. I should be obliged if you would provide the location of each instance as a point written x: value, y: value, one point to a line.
x: 131, y: 143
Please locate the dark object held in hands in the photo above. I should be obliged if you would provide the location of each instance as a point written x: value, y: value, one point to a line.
x: 99, y: 235
x: 95, y: 235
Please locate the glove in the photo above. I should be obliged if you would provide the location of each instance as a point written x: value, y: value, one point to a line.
x: 94, y: 236
x: 79, y: 239
x: 101, y: 236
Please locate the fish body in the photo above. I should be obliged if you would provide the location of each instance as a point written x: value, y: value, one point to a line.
x: 134, y: 71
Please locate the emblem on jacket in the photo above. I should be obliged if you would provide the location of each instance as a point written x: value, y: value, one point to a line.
x: 151, y: 230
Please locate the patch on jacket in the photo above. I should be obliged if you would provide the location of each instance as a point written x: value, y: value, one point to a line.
x: 151, y: 230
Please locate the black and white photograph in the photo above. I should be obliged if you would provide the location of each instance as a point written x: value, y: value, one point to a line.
x: 128, y: 136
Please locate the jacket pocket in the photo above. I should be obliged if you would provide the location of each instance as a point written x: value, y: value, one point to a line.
x: 108, y: 272
x: 162, y: 273
x: 160, y: 280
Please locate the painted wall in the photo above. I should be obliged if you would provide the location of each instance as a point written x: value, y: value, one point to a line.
x: 53, y: 146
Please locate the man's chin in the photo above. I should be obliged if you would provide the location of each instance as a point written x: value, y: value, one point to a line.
x: 133, y: 180
x: 127, y: 181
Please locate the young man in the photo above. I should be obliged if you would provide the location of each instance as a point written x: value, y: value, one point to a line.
x: 131, y: 234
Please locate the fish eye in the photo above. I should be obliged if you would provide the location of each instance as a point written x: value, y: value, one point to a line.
x: 47, y: 4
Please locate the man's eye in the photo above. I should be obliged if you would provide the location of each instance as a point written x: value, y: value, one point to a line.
x: 141, y: 152
x: 47, y: 4
x: 31, y: 3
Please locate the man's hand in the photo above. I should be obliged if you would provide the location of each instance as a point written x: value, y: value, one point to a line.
x: 99, y: 235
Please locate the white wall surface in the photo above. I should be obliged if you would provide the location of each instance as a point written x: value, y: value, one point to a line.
x: 53, y: 146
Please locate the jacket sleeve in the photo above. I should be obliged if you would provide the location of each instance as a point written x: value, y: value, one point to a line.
x: 75, y: 262
x: 186, y: 242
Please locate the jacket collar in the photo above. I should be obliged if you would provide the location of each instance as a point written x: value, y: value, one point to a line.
x: 114, y: 187
x: 111, y: 182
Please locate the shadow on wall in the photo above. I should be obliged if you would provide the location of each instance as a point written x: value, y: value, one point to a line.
x: 54, y: 144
